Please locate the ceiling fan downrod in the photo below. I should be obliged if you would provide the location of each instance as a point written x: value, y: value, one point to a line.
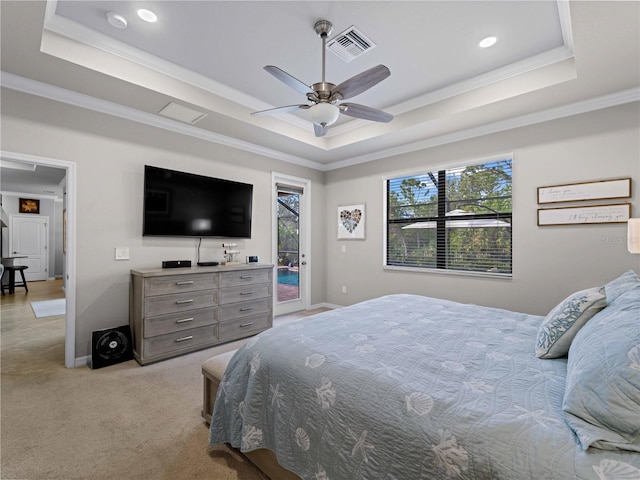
x: 323, y: 29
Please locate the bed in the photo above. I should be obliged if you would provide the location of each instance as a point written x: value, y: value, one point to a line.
x: 411, y: 387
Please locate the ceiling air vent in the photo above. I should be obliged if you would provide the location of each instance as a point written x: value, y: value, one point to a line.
x: 350, y: 44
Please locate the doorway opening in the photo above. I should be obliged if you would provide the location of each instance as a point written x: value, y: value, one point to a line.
x: 69, y: 242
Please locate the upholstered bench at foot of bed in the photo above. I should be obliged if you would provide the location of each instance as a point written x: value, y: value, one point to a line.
x: 212, y: 371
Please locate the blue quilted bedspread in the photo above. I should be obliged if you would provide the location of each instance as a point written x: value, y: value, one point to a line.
x: 406, y: 387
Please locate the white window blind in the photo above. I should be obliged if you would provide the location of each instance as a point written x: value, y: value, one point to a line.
x: 452, y: 219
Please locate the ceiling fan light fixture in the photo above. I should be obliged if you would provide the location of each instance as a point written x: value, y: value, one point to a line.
x: 324, y: 114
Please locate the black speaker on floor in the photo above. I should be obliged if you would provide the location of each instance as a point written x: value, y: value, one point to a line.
x: 111, y: 346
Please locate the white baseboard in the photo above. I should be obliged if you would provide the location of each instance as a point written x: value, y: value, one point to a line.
x: 82, y: 361
x: 325, y: 305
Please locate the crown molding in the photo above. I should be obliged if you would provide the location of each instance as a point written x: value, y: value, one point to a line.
x: 33, y: 87
x: 577, y: 108
x: 69, y: 97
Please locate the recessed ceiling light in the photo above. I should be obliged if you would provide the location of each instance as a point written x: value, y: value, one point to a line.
x: 487, y: 42
x: 147, y: 15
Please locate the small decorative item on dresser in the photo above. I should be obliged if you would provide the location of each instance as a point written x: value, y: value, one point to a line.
x: 230, y: 254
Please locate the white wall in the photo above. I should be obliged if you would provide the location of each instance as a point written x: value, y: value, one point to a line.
x: 110, y: 154
x: 548, y: 262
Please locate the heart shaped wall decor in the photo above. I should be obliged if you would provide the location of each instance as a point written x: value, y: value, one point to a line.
x: 350, y: 219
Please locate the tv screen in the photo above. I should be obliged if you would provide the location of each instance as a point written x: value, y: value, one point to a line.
x: 184, y: 204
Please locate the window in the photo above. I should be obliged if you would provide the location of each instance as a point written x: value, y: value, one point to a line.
x: 456, y: 219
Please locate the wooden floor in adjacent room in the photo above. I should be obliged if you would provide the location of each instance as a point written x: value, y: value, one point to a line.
x: 38, y: 291
x: 38, y: 341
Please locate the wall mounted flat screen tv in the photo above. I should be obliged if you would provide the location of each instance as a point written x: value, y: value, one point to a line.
x: 178, y: 204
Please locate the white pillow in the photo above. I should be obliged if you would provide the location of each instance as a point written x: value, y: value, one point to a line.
x: 562, y: 323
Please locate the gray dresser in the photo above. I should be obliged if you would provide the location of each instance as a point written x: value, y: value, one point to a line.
x: 180, y: 310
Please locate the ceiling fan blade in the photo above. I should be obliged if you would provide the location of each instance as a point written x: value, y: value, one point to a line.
x: 360, y: 111
x: 287, y: 79
x: 361, y: 82
x: 320, y: 130
x: 288, y: 108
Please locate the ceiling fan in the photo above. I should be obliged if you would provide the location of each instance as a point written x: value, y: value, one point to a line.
x: 325, y: 97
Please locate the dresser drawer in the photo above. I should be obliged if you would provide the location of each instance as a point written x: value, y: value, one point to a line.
x: 244, y: 277
x: 244, y: 309
x: 184, y: 340
x: 177, y: 322
x: 180, y: 283
x: 180, y: 302
x: 243, y: 293
x: 244, y: 326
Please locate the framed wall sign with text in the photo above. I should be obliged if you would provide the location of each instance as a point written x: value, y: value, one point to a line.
x: 573, y: 192
x: 617, y: 213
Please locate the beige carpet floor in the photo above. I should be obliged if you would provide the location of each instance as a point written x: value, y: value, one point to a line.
x: 119, y: 422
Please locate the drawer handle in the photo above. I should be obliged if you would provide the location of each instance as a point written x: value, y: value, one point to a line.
x: 246, y: 277
x: 185, y: 282
x: 179, y: 302
x: 246, y: 324
x: 246, y: 309
x: 184, y: 339
x: 246, y: 293
x: 190, y: 319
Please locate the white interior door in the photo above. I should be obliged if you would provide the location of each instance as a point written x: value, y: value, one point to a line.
x: 28, y: 239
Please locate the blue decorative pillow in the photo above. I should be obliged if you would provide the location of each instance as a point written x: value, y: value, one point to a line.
x: 562, y: 323
x: 602, y: 396
x: 625, y: 282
